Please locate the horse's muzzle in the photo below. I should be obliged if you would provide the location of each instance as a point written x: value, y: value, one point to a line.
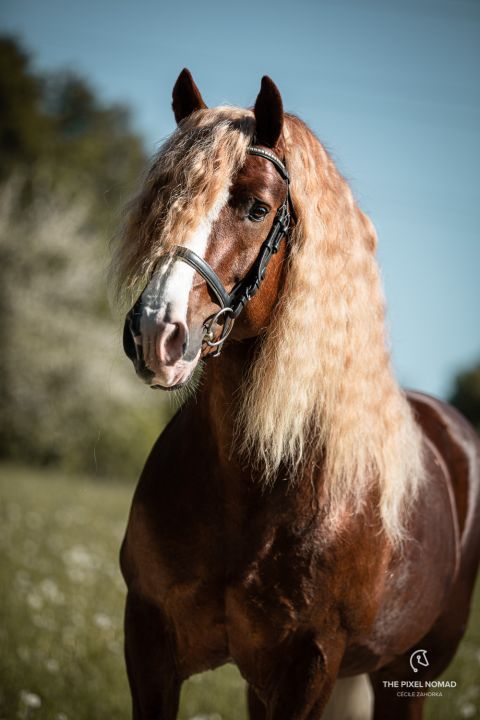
x: 159, y: 347
x: 133, y: 346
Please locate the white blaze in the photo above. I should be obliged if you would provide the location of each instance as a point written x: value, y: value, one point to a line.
x: 176, y: 290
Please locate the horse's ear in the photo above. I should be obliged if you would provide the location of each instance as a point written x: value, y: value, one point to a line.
x: 268, y: 113
x: 186, y: 96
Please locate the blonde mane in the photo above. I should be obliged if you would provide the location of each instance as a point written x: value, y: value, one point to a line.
x: 192, y: 169
x: 322, y: 383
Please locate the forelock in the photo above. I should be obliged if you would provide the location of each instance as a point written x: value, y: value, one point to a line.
x: 193, y: 168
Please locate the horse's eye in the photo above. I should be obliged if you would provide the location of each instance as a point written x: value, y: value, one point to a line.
x: 257, y: 212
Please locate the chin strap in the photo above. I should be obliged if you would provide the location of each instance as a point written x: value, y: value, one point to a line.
x: 232, y: 304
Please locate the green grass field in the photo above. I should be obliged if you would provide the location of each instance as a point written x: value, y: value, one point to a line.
x: 62, y: 603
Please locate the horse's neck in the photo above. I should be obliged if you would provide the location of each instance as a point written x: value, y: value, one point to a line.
x: 219, y: 396
x: 217, y: 407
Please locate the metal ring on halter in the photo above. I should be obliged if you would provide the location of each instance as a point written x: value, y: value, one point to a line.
x: 225, y: 330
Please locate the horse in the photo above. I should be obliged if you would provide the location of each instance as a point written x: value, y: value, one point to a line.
x: 301, y: 516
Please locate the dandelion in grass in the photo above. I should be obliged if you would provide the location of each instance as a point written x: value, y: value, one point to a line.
x: 35, y: 600
x: 29, y: 702
x: 468, y: 710
x: 52, y: 665
x: 115, y: 647
x: 79, y: 556
x: 51, y: 592
x: 103, y: 621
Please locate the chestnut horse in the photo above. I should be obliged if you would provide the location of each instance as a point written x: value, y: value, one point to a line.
x: 300, y: 516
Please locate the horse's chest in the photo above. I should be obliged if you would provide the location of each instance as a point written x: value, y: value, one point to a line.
x: 265, y: 608
x: 245, y: 608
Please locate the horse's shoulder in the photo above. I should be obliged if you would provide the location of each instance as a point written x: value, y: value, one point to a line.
x: 455, y: 440
x: 434, y: 414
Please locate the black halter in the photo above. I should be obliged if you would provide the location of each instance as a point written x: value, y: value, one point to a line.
x: 232, y: 304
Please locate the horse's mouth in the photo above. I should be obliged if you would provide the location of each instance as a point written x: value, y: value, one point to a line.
x: 178, y: 386
x: 172, y: 377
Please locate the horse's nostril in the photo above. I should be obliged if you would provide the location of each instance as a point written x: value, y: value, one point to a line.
x: 180, y: 333
x: 172, y: 342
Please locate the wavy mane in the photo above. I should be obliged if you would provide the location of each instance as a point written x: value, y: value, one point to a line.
x: 191, y: 170
x: 322, y: 382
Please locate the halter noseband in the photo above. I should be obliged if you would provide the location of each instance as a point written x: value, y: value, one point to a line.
x: 232, y: 304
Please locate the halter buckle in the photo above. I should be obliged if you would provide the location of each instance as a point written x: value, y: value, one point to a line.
x: 226, y: 330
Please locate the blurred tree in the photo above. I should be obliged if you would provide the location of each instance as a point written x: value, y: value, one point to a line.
x: 67, y: 164
x: 69, y: 396
x: 466, y: 395
x: 58, y: 122
x: 94, y: 147
x: 25, y: 131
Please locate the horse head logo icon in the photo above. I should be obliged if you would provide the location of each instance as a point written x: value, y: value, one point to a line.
x: 418, y: 657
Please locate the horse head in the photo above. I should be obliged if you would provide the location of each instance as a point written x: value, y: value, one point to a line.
x: 212, y: 268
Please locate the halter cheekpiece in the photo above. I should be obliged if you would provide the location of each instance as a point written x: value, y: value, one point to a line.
x: 232, y: 304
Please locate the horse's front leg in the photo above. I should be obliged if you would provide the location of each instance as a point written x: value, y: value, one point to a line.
x: 301, y: 686
x: 149, y: 653
x: 256, y: 708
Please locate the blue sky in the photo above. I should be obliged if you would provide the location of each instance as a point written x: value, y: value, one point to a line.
x: 391, y: 88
